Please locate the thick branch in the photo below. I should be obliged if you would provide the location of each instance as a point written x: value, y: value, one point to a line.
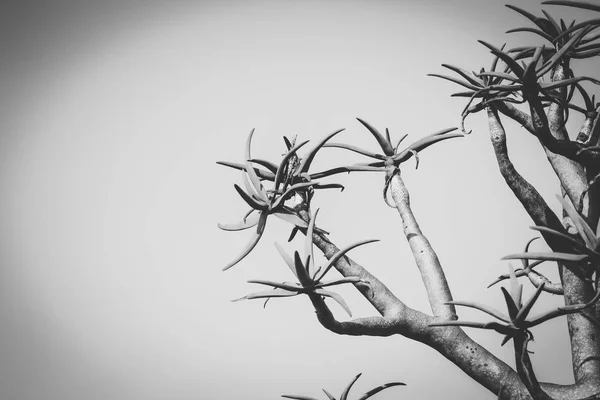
x: 525, y: 369
x: 584, y: 334
x: 432, y: 274
x: 370, y: 326
x: 532, y: 201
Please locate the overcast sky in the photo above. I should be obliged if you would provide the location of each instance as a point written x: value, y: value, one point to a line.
x: 112, y: 116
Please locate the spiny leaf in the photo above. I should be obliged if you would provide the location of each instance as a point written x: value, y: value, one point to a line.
x: 383, y: 143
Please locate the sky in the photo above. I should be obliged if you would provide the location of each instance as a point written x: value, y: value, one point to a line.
x: 112, y: 117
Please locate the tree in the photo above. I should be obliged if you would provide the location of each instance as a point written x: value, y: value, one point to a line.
x: 534, y: 85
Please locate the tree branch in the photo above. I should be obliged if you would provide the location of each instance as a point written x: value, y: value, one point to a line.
x: 532, y: 201
x: 432, y: 274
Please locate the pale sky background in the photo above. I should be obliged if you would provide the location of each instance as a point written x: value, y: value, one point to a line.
x: 112, y: 116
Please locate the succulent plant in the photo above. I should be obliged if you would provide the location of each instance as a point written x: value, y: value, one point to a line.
x: 289, y: 178
x: 516, y: 322
x: 309, y: 277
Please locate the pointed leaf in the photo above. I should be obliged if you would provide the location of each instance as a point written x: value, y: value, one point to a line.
x: 341, y: 281
x: 249, y: 144
x: 548, y: 65
x: 516, y: 290
x: 578, y: 4
x: 262, y: 174
x: 268, y: 294
x: 249, y: 223
x: 244, y: 252
x: 471, y: 79
x: 258, y: 187
x: 567, y: 238
x: 329, y: 396
x: 583, y: 228
x: 308, y: 158
x: 524, y: 311
x: 340, y: 254
x: 278, y: 285
x: 508, y: 60
x: 267, y: 164
x: 251, y: 202
x: 301, y: 271
x: 566, y: 82
x: 335, y: 297
x: 383, y: 143
x: 488, y: 310
x: 532, y: 30
x: 295, y: 397
x: 356, y: 150
x: 550, y: 256
x: 291, y: 218
x: 457, y: 81
x: 378, y: 389
x: 344, y: 395
x: 510, y: 304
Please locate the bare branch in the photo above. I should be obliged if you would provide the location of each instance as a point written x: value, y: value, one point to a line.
x: 432, y: 274
x: 532, y: 201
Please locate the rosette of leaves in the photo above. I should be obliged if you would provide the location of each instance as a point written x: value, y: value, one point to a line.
x: 392, y: 156
x: 310, y: 279
x: 488, y: 88
x: 291, y: 170
x: 518, y: 82
x: 287, y: 180
x: 558, y: 34
x: 535, y: 277
x: 345, y: 392
x: 586, y: 248
x: 516, y: 322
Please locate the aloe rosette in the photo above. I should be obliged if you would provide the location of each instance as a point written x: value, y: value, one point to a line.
x: 310, y: 279
x: 586, y: 249
x: 516, y: 322
x: 392, y: 156
x: 289, y: 178
x: 346, y: 391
